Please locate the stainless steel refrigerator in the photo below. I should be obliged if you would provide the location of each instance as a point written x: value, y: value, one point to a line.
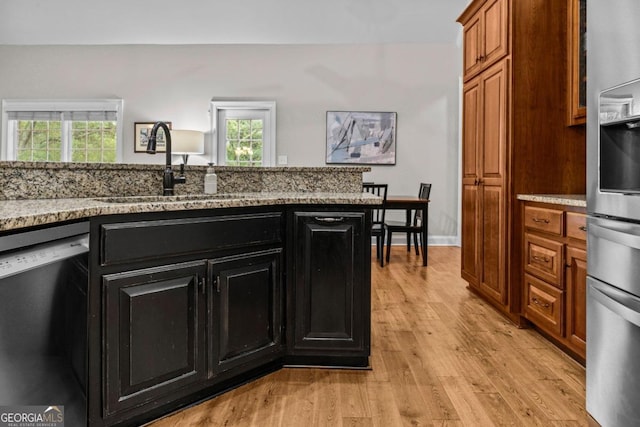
x: 613, y: 204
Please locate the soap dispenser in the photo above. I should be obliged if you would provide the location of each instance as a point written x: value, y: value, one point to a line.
x: 210, y: 181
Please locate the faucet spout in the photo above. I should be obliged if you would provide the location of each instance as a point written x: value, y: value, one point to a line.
x: 168, y: 179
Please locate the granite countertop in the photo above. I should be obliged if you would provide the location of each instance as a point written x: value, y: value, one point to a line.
x: 15, y: 214
x: 579, y: 200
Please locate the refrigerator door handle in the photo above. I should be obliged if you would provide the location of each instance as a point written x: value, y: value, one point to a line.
x: 615, y: 235
x: 621, y: 303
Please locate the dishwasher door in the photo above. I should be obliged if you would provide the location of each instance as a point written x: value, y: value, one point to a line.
x: 43, y: 319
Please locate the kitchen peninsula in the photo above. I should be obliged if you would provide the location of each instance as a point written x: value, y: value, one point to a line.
x: 190, y: 295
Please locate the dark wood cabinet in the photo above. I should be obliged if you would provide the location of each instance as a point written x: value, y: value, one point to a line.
x: 245, y: 317
x: 153, y: 334
x: 330, y: 315
x: 185, y: 305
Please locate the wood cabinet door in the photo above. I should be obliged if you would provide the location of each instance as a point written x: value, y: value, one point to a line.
x: 153, y: 342
x: 495, y: 35
x: 245, y: 319
x: 330, y: 287
x: 493, y: 241
x: 472, y: 47
x: 471, y: 133
x: 576, y: 283
x: 493, y: 146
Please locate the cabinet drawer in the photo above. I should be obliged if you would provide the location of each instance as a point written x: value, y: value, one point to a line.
x: 543, y: 304
x: 577, y: 225
x: 142, y: 240
x: 544, y: 258
x: 548, y: 220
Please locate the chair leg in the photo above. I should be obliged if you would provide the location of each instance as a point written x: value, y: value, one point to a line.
x: 388, y: 245
x: 415, y: 243
x: 408, y: 242
x: 382, y: 249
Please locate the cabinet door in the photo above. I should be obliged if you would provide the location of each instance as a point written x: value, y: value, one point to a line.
x: 486, y: 37
x: 331, y: 287
x: 246, y: 310
x: 496, y: 29
x: 471, y: 131
x: 472, y: 46
x: 576, y: 282
x: 153, y: 335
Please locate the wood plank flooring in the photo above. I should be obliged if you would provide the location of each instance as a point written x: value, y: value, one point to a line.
x: 440, y: 357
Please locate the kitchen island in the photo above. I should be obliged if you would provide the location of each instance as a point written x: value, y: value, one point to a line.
x: 191, y: 295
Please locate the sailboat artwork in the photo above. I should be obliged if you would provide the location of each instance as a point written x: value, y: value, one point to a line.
x: 367, y: 138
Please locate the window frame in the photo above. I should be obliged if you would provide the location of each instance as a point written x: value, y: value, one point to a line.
x: 269, y: 145
x: 60, y: 105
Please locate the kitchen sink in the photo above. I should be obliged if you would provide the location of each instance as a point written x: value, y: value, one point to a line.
x: 166, y: 199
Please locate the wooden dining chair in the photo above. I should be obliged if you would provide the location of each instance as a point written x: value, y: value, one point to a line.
x: 413, y: 227
x: 377, y: 223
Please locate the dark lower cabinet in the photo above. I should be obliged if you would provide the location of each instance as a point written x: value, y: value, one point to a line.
x: 330, y: 314
x: 246, y: 311
x: 172, y: 323
x: 153, y: 335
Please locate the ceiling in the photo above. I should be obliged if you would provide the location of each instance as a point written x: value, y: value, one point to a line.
x: 43, y: 22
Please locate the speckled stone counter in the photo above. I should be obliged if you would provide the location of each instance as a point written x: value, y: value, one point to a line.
x: 49, y: 180
x: 41, y: 193
x: 579, y: 200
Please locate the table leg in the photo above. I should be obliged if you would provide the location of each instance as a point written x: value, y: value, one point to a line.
x: 425, y: 232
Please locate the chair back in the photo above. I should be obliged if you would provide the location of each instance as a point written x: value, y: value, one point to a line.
x: 425, y: 191
x: 379, y: 190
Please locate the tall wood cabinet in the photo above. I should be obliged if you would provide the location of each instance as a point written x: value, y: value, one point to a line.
x: 514, y: 133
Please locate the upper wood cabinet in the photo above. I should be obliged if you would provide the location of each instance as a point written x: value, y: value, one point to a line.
x: 485, y: 36
x: 577, y: 61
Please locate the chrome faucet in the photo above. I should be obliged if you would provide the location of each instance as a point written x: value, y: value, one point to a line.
x: 168, y: 180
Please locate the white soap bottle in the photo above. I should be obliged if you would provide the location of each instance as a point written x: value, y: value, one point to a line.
x: 210, y: 181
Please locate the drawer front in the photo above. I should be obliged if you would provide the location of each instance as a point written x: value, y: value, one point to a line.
x: 547, y: 220
x: 577, y: 225
x: 142, y: 240
x: 543, y: 304
x: 544, y: 258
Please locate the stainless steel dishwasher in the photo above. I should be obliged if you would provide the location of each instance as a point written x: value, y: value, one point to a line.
x: 43, y: 319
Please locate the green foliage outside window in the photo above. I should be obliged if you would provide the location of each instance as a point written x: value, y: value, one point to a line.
x: 244, y: 142
x: 91, y: 141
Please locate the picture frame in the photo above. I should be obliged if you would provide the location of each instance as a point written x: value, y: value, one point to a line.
x: 141, y: 135
x: 361, y: 137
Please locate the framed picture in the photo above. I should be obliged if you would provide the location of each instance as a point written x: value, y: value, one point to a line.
x: 141, y: 137
x: 361, y: 137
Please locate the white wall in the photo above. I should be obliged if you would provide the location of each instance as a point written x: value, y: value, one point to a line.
x: 237, y: 21
x: 419, y: 81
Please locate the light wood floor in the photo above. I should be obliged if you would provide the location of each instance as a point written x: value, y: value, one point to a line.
x: 440, y: 357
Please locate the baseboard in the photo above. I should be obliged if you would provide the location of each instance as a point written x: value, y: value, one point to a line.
x: 401, y: 239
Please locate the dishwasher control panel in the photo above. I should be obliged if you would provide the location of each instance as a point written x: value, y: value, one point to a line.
x: 25, y: 259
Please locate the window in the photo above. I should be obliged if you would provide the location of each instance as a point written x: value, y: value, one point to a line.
x: 245, y: 132
x: 62, y: 131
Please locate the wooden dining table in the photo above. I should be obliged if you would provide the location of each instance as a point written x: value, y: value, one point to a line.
x: 408, y: 203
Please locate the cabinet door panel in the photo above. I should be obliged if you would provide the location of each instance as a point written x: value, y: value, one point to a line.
x: 330, y: 292
x: 152, y: 334
x: 471, y: 129
x: 493, y: 243
x: 576, y: 298
x: 494, y: 125
x: 470, y: 238
x: 496, y: 28
x: 246, y: 315
x: 472, y: 47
